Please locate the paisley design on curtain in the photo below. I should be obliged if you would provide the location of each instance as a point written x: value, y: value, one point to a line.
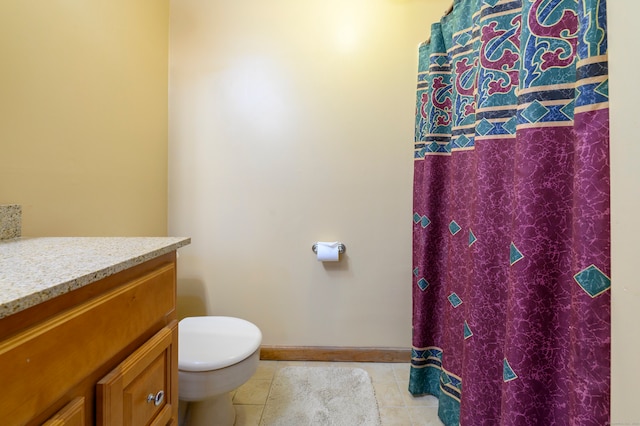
x: 511, y: 241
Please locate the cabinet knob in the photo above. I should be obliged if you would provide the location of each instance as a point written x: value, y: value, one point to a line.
x: 156, y: 399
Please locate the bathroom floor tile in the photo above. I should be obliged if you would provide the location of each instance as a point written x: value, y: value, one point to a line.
x: 325, y: 364
x: 424, y: 416
x: 265, y: 371
x: 401, y: 372
x: 418, y: 401
x: 379, y: 372
x: 394, y: 416
x: 283, y: 364
x: 254, y: 392
x: 248, y: 415
x: 387, y: 394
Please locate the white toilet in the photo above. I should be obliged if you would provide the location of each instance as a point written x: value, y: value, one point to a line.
x: 215, y: 356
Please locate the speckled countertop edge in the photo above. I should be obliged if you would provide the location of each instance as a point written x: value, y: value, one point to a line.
x: 34, y: 270
x: 10, y: 221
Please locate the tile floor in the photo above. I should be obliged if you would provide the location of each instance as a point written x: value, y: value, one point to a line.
x: 390, y: 381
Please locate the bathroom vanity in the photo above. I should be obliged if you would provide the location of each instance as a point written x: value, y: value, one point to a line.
x: 88, y: 331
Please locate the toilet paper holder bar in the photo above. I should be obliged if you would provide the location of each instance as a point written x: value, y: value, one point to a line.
x: 341, y: 248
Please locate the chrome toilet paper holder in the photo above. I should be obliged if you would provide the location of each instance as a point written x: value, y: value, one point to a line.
x: 341, y: 248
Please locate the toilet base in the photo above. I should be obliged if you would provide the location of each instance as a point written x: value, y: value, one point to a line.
x: 218, y: 411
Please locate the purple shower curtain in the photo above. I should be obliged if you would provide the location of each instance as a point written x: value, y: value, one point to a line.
x: 511, y: 246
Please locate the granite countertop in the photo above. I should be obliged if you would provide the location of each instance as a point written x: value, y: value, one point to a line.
x: 33, y: 270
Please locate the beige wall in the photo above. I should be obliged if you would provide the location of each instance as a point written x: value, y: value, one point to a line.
x: 624, y: 63
x: 291, y: 122
x: 83, y: 115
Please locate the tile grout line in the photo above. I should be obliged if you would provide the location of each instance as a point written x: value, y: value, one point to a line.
x: 275, y: 370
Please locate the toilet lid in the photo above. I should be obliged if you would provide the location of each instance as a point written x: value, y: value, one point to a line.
x: 210, y: 343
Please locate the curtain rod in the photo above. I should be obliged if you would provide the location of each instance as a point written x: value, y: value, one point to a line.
x: 446, y: 12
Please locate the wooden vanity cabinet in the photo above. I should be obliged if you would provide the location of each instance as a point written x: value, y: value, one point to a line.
x: 71, y: 415
x: 96, y: 354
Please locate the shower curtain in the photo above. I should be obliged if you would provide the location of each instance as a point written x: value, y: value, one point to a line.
x: 511, y: 246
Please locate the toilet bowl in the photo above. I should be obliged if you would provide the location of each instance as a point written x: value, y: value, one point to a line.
x: 215, y: 356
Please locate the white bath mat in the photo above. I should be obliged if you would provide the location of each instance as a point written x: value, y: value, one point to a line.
x: 319, y: 396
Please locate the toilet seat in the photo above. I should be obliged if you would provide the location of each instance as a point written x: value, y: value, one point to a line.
x: 215, y: 342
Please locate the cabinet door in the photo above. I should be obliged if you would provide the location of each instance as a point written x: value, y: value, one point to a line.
x: 71, y: 415
x: 142, y: 390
